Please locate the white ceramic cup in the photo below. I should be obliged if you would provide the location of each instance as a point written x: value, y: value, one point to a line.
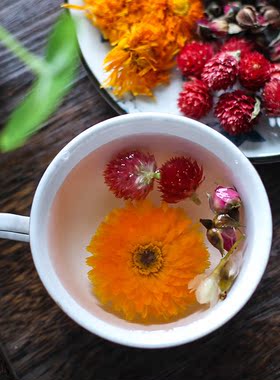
x: 242, y: 174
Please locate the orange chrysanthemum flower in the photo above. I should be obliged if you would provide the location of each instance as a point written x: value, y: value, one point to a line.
x: 137, y: 63
x: 146, y: 36
x: 143, y: 257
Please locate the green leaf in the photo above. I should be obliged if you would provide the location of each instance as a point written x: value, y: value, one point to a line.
x: 48, y: 90
x: 43, y: 99
x: 62, y: 48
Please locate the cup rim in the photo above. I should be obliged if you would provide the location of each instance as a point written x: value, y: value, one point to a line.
x: 216, y: 317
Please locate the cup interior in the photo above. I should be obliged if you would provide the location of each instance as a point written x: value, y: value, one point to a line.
x: 72, y: 200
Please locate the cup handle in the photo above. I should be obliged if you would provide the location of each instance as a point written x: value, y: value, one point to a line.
x: 14, y: 227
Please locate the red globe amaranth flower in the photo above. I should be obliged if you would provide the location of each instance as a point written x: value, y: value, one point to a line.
x: 221, y: 71
x: 271, y: 97
x: 192, y: 58
x: 179, y: 179
x: 254, y: 70
x: 130, y: 175
x: 195, y: 100
x: 237, y: 112
x: 235, y: 44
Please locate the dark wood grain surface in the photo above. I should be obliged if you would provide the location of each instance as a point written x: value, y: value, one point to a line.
x: 38, y: 339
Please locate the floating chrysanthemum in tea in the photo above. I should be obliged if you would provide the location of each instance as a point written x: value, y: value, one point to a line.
x: 142, y: 259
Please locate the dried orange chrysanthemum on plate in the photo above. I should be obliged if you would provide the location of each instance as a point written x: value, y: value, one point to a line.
x: 146, y: 35
x: 137, y: 63
x: 142, y: 259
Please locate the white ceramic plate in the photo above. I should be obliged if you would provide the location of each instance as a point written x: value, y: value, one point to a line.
x: 262, y: 145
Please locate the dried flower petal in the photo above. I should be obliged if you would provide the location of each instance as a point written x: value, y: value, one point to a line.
x: 208, y: 291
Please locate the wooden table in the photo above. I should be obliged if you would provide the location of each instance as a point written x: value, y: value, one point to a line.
x: 38, y: 340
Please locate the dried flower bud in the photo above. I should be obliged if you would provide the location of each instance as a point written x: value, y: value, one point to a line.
x: 216, y: 28
x: 229, y: 273
x: 221, y: 232
x: 234, y: 214
x: 271, y: 16
x: 207, y: 223
x: 229, y: 238
x: 247, y: 17
x: 262, y: 3
x: 231, y: 9
x: 213, y: 10
x: 224, y: 221
x: 232, y: 267
x: 219, y: 27
x: 224, y: 199
x: 214, y: 236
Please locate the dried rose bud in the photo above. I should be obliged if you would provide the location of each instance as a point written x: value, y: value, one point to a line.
x: 231, y: 9
x: 247, y: 17
x: 216, y: 28
x: 262, y: 3
x: 214, y: 236
x: 221, y: 238
x: 271, y: 16
x: 219, y: 27
x: 207, y: 223
x: 229, y: 237
x: 224, y: 199
x: 234, y: 214
x: 213, y: 10
x: 224, y: 221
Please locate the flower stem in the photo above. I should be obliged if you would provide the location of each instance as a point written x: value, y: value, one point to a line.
x: 32, y: 61
x: 224, y: 260
x: 157, y: 175
x: 195, y: 199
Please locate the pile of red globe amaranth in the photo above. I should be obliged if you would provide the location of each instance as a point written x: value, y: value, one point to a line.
x: 209, y: 69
